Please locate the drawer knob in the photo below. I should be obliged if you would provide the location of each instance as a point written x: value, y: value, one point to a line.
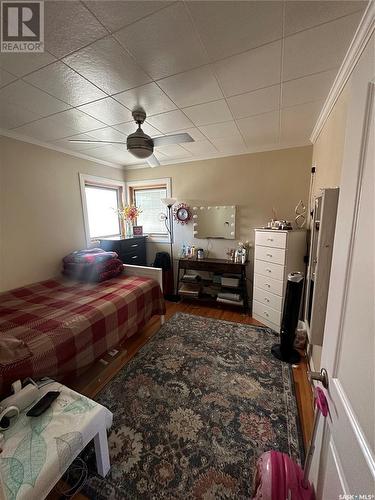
x: 135, y: 245
x: 269, y: 270
x: 267, y: 284
x: 267, y: 300
x: 266, y: 313
x: 135, y: 257
x: 269, y: 255
x: 269, y: 239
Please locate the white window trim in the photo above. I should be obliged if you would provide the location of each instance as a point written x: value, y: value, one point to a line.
x: 83, y: 179
x: 147, y: 183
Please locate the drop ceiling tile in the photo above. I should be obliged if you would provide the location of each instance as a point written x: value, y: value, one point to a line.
x: 14, y: 116
x: 318, y: 49
x: 251, y: 70
x: 211, y: 112
x: 164, y: 43
x: 220, y: 130
x: 193, y: 132
x: 107, y: 110
x: 192, y: 87
x: 130, y: 127
x: 114, y: 155
x: 149, y: 97
x: 108, y: 66
x: 69, y: 26
x: 170, y: 122
x: 256, y: 102
x: 230, y: 145
x: 6, y: 77
x: 260, y: 130
x: 75, y: 146
x: 298, y: 122
x: 200, y: 148
x: 117, y: 14
x: 77, y: 120
x: 62, y: 82
x: 26, y: 96
x: 22, y: 64
x: 309, y: 88
x: 111, y: 154
x: 107, y: 134
x: 227, y: 28
x: 174, y: 151
x: 46, y: 129
x: 306, y: 14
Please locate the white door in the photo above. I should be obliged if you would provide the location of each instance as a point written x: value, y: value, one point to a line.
x: 345, y: 460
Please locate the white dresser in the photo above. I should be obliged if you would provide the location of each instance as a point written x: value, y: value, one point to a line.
x: 277, y: 253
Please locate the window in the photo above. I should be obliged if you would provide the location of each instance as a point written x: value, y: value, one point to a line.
x: 101, y: 199
x: 149, y: 200
x: 102, y: 204
x: 147, y: 195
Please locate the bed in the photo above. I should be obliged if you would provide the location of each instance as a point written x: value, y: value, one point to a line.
x: 57, y: 327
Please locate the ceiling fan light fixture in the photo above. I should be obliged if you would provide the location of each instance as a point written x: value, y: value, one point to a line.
x: 140, y: 144
x: 140, y: 153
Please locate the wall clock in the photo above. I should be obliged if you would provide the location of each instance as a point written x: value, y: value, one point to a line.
x: 181, y: 213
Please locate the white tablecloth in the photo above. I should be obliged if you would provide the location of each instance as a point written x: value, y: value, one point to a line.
x: 38, y: 450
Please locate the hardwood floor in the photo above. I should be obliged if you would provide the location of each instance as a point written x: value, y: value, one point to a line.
x: 96, y: 377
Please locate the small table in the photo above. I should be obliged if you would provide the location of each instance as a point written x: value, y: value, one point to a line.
x: 216, y: 266
x: 39, y: 450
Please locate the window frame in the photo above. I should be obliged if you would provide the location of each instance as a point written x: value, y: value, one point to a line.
x: 151, y: 183
x: 101, y: 182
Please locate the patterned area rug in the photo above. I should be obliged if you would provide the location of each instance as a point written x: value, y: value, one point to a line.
x: 193, y: 410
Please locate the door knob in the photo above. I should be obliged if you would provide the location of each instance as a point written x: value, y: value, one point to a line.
x: 321, y: 376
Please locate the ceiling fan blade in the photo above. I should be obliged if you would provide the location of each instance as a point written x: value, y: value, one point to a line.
x: 84, y: 141
x: 164, y: 140
x: 153, y: 161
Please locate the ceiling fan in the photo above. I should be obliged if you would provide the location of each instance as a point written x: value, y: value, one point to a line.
x: 142, y: 145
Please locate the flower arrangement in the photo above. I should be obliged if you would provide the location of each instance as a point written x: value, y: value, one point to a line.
x: 129, y: 213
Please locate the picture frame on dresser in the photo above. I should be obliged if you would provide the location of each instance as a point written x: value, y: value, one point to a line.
x: 277, y: 253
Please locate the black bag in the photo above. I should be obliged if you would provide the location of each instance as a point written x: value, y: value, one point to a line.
x: 163, y: 260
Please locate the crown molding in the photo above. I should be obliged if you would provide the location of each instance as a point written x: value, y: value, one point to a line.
x: 30, y: 140
x: 360, y: 39
x: 174, y: 162
x: 136, y: 166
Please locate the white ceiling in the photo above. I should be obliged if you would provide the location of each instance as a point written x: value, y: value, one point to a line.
x: 239, y: 76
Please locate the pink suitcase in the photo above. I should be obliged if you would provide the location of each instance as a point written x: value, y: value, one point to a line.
x: 278, y: 477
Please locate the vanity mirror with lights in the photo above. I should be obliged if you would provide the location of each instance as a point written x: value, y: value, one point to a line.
x: 215, y: 222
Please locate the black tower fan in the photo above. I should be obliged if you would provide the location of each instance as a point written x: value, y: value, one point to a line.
x: 285, y: 350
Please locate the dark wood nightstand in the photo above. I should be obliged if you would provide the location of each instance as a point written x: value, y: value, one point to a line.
x: 130, y: 250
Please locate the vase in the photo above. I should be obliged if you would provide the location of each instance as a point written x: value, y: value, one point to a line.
x: 128, y: 229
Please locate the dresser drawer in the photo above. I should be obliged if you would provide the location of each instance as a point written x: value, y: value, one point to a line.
x: 132, y: 245
x: 267, y: 312
x: 134, y: 258
x: 268, y: 299
x: 275, y: 271
x: 270, y: 254
x: 269, y: 284
x: 129, y: 250
x: 270, y: 239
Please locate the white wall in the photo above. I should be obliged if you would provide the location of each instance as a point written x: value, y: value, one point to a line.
x: 41, y: 217
x: 253, y: 182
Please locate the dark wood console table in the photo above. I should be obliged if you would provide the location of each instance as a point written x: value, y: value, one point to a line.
x: 218, y: 266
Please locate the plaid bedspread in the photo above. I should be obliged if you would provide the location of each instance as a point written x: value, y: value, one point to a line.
x: 57, y: 327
